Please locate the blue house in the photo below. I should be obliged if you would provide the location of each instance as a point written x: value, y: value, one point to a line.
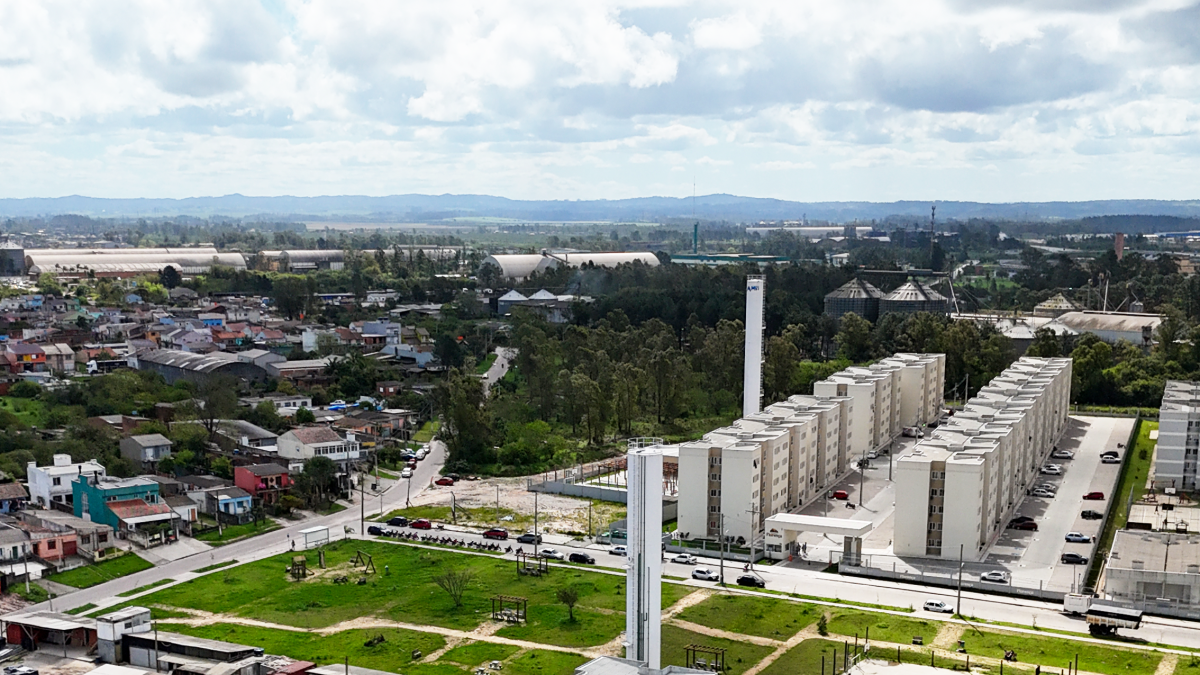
x: 131, y: 506
x: 230, y: 505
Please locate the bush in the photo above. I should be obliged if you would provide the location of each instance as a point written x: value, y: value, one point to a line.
x: 24, y: 389
x: 823, y: 626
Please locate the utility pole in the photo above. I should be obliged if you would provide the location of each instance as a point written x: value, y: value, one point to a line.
x: 862, y: 477
x: 497, y: 504
x: 535, y: 524
x: 589, y: 520
x: 958, y: 603
x: 753, y: 529
x: 362, y: 506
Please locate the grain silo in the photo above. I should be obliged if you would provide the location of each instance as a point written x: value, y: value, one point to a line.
x: 855, y: 296
x: 912, y: 297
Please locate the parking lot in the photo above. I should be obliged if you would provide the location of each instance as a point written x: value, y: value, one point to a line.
x: 1034, y: 558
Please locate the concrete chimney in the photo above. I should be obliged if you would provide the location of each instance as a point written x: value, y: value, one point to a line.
x: 752, y: 385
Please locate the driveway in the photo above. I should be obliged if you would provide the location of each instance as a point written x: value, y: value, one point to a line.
x: 504, y: 357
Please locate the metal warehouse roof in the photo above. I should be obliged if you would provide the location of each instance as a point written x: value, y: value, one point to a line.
x: 200, y: 363
x: 856, y: 289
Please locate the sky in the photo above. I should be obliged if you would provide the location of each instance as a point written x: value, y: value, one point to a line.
x: 877, y: 100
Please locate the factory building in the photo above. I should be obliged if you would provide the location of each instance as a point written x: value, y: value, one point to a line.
x: 779, y: 459
x: 856, y: 296
x: 1178, y: 436
x: 958, y: 487
x: 79, y: 263
x: 519, y: 267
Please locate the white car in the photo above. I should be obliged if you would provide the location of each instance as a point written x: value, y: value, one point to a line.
x: 938, y: 606
x: 551, y: 553
x: 1046, y: 486
x: 1052, y: 470
x: 995, y: 576
x: 406, y: 473
x: 705, y: 574
x: 1078, y: 538
x: 1110, y: 459
x: 618, y: 550
x: 684, y: 559
x: 872, y: 455
x: 913, y: 432
x: 1042, y: 493
x: 1062, y: 454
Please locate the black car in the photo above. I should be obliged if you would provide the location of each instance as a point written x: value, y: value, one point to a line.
x: 581, y: 558
x: 375, y: 530
x: 1092, y: 515
x: 398, y: 521
x: 1074, y: 559
x: 529, y: 538
x: 751, y: 580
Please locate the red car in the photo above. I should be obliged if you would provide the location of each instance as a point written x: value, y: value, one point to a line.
x: 1094, y: 495
x: 421, y: 524
x: 841, y: 494
x: 1026, y: 525
x: 496, y: 533
x: 444, y: 480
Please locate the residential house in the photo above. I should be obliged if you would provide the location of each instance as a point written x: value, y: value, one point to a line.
x: 14, y: 543
x: 92, y: 540
x: 186, y: 508
x: 305, y: 443
x: 60, y: 358
x: 51, y: 545
x: 264, y: 482
x: 25, y: 358
x: 388, y: 388
x: 284, y: 405
x: 240, y: 435
x: 145, y: 450
x: 13, y: 497
x: 131, y: 506
x: 230, y: 504
x: 122, y: 424
x: 52, y: 484
x: 390, y: 423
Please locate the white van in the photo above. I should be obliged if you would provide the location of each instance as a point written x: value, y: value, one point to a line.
x: 421, y: 454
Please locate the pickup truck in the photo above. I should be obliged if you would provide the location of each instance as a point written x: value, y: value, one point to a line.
x: 1102, y: 619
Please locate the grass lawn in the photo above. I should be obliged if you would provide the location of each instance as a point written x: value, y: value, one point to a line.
x: 90, y: 575
x: 262, y: 590
x: 540, y: 662
x: 1188, y: 665
x: 391, y: 655
x: 427, y: 432
x: 764, y: 617
x: 1133, y: 478
x: 209, y: 568
x: 884, y: 627
x: 333, y: 508
x: 474, y: 654
x: 483, y: 366
x: 739, y: 656
x: 1051, y: 653
x: 140, y: 589
x: 28, y: 411
x: 35, y: 594
x: 804, y: 658
x: 82, y: 608
x: 232, y: 532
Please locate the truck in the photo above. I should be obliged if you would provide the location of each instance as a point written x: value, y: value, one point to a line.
x: 1102, y: 619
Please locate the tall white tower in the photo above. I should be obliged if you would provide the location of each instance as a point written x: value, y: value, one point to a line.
x: 752, y: 393
x: 643, y: 576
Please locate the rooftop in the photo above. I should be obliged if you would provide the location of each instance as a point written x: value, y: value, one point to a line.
x: 1131, y: 547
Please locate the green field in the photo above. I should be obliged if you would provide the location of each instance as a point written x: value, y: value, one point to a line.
x: 750, y: 615
x: 884, y: 627
x: 209, y: 568
x: 739, y: 656
x: 479, y: 653
x: 427, y: 432
x: 1188, y: 665
x: 141, y: 589
x: 90, y: 575
x: 542, y: 662
x: 1050, y: 653
x: 231, y: 533
x: 804, y: 658
x: 29, y: 411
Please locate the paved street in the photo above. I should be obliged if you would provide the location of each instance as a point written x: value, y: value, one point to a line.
x: 500, y: 366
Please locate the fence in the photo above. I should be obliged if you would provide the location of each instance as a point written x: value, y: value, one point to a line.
x: 949, y: 579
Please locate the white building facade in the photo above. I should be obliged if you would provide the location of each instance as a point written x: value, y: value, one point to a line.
x: 1178, y: 436
x: 958, y: 487
x: 53, y: 483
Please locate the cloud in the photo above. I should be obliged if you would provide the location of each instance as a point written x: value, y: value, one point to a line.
x: 544, y: 98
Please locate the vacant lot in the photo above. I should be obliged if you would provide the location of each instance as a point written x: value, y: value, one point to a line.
x: 885, y: 627
x: 739, y: 656
x: 765, y: 617
x: 1052, y: 653
x: 90, y: 575
x: 805, y: 658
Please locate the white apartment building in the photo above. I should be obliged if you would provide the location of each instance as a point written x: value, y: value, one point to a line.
x: 1178, y: 436
x: 53, y: 483
x: 775, y: 461
x: 958, y: 487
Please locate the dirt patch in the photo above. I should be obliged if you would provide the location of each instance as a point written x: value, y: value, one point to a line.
x: 477, y: 501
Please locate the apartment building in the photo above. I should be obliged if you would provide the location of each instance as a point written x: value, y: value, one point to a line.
x: 958, y: 487
x: 777, y: 460
x: 1178, y: 436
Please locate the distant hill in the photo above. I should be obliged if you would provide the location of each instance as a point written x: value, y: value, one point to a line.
x: 419, y: 208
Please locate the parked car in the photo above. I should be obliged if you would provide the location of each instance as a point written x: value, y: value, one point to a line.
x: 841, y: 494
x: 1074, y: 559
x: 751, y: 580
x: 406, y: 472
x: 1110, y: 459
x: 913, y: 432
x: 1094, y: 496
x: 1021, y: 519
x: 995, y: 577
x: 552, y: 554
x: 1110, y: 453
x: 444, y: 480
x: 938, y: 606
x: 420, y: 454
x: 496, y: 533
x: 1039, y: 492
x: 705, y: 574
x: 1078, y: 538
x: 1052, y: 470
x: 1024, y: 525
x: 421, y: 524
x: 684, y: 559
x: 618, y: 550
x: 1092, y: 515
x: 581, y: 558
x: 1062, y: 454
x: 530, y: 538
x: 412, y: 464
x: 375, y: 530
x: 1046, y: 486
x: 398, y: 521
x: 872, y: 455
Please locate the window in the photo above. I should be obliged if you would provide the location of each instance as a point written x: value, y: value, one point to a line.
x: 714, y: 509
x: 51, y: 545
x: 935, y: 527
x: 56, y: 481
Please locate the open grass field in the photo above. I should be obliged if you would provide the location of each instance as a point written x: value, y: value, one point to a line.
x: 474, y: 654
x: 29, y: 411
x: 749, y: 615
x: 141, y: 589
x: 90, y: 575
x: 407, y: 592
x: 804, y: 658
x: 884, y: 627
x: 541, y: 662
x: 426, y: 433
x: 739, y: 656
x: 1051, y: 653
x: 1188, y: 665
